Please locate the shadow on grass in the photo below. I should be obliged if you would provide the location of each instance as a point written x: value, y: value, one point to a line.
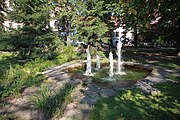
x: 135, y: 105
x: 158, y: 58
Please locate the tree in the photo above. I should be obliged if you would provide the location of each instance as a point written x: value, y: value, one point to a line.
x: 35, y: 38
x: 134, y: 14
x: 147, y: 15
x: 3, y: 8
x: 169, y: 24
x: 63, y: 11
x: 89, y: 21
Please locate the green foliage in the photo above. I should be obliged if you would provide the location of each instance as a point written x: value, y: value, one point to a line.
x: 34, y: 39
x: 133, y: 104
x: 66, y: 53
x: 16, y: 74
x: 53, y: 103
x: 89, y: 22
x: 163, y: 16
x: 135, y: 13
x: 63, y: 12
x: 30, y: 12
x: 3, y: 8
x: 159, y: 41
x: 3, y: 55
x: 15, y: 79
x: 30, y: 45
x: 175, y: 78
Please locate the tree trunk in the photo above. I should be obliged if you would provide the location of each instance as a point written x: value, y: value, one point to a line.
x: 178, y: 40
x: 135, y: 37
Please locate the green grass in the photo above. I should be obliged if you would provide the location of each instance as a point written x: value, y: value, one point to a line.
x: 8, y: 117
x: 135, y: 105
x: 170, y: 62
x: 175, y: 78
x: 168, y: 65
x: 17, y: 73
x: 4, y: 54
x: 51, y: 103
x: 16, y: 76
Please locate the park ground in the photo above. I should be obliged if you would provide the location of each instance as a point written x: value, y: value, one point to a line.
x: 18, y: 75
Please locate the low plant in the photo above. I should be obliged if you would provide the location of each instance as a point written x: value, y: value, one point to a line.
x: 53, y: 103
x: 67, y: 53
x: 18, y: 73
x: 39, y: 100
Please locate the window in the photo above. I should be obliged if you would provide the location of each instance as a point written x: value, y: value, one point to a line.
x: 117, y: 34
x: 10, y: 25
x: 56, y: 24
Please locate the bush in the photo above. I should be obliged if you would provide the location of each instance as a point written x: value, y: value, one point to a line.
x: 16, y: 78
x: 66, y: 53
x: 29, y: 43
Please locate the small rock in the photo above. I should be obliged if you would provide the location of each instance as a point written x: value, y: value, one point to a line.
x: 155, y: 92
x: 178, y: 54
x: 89, y: 101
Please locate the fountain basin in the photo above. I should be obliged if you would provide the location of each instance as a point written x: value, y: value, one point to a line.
x: 134, y: 72
x: 73, y: 71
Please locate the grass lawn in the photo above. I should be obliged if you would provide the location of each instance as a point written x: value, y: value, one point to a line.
x: 130, y: 104
x: 133, y: 104
x: 16, y: 74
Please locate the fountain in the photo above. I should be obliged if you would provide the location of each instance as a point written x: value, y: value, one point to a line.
x: 120, y: 62
x: 111, y: 65
x: 107, y: 74
x: 98, y: 66
x: 88, y: 64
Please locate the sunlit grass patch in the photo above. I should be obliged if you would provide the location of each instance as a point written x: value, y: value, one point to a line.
x: 133, y: 104
x: 4, y: 54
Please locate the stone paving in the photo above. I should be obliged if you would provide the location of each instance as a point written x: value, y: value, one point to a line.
x: 86, y: 95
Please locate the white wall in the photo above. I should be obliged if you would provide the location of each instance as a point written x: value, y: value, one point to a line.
x: 120, y: 30
x: 52, y: 25
x: 8, y: 24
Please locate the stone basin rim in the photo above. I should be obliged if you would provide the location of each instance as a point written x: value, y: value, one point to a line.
x: 73, y: 64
